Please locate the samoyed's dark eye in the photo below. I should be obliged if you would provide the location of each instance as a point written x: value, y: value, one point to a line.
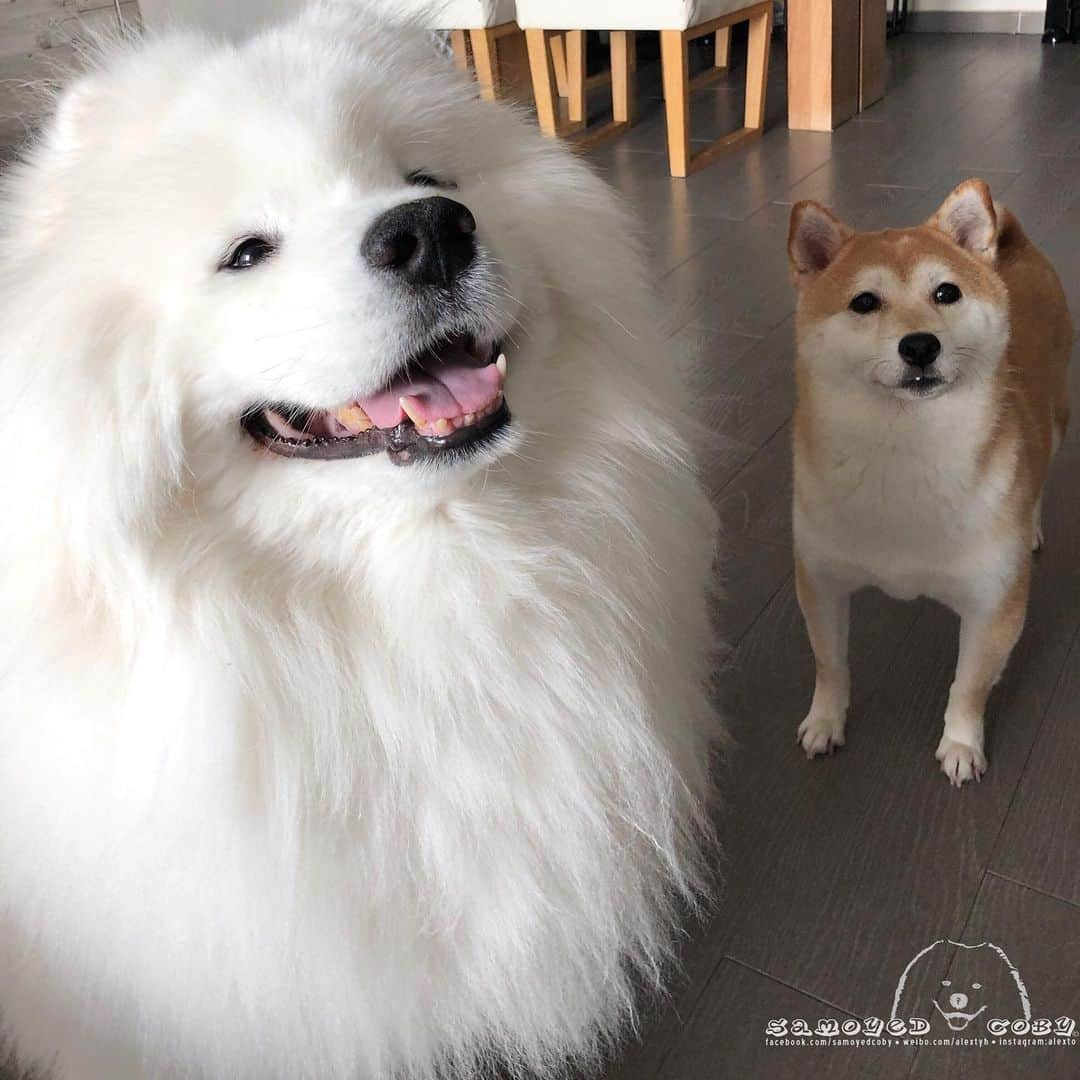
x: 426, y: 179
x: 864, y: 303
x: 249, y: 252
x: 947, y: 293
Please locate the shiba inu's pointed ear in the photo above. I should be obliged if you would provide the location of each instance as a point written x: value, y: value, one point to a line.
x: 814, y: 238
x: 969, y: 218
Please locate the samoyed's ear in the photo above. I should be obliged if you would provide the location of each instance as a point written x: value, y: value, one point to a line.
x: 97, y: 442
x: 968, y: 217
x: 74, y: 111
x: 814, y: 238
x: 64, y: 141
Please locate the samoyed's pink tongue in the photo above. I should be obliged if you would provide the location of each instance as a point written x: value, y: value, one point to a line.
x: 442, y: 391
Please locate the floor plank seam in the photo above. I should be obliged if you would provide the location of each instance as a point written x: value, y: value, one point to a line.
x: 896, y: 187
x: 764, y: 607
x: 736, y: 640
x: 1033, y: 888
x: 790, y: 986
x: 685, y: 1023
x: 753, y: 457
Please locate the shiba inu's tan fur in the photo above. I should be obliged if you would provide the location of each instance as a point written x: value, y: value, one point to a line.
x: 923, y: 473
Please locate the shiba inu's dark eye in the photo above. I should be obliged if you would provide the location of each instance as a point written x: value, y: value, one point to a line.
x: 248, y: 253
x: 947, y: 293
x: 864, y: 303
x: 424, y: 179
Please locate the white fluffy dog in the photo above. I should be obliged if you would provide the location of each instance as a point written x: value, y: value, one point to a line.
x: 353, y: 716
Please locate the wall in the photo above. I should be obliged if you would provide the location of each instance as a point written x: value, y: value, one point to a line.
x: 988, y: 16
x: 222, y: 16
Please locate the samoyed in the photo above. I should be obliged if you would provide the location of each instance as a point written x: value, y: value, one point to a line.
x: 353, y: 706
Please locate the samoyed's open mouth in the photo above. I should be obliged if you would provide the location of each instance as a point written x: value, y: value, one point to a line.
x: 447, y: 400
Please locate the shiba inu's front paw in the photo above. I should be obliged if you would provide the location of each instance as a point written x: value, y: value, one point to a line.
x: 820, y: 734
x: 959, y: 761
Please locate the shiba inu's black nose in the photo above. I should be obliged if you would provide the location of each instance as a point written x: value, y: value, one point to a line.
x: 426, y: 241
x: 920, y: 349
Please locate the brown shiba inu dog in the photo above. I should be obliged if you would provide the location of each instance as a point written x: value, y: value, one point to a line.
x: 931, y: 375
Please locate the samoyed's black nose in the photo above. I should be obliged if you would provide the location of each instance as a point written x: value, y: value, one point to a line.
x: 427, y: 241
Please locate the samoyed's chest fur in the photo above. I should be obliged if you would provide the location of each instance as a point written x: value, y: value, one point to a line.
x: 900, y: 498
x: 372, y: 826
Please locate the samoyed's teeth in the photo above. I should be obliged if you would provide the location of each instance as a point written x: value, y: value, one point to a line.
x: 468, y: 419
x: 442, y: 426
x: 501, y: 364
x: 354, y: 418
x: 408, y: 405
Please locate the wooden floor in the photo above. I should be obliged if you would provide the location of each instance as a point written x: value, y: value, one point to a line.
x: 837, y: 872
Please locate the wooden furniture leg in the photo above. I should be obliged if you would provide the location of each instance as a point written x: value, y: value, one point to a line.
x: 721, y: 59
x: 543, y: 80
x: 558, y: 60
x: 575, y: 75
x: 674, y: 60
x: 459, y: 42
x: 621, y: 102
x: 757, y: 69
x: 543, y: 52
x: 676, y: 75
x: 486, y: 59
x: 723, y: 48
x: 823, y: 63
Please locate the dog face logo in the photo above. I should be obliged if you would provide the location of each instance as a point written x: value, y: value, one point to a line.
x: 957, y: 1002
x: 979, y: 982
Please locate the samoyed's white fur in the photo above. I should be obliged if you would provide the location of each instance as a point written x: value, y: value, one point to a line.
x: 330, y: 769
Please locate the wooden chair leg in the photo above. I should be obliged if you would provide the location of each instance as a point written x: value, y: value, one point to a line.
x: 677, y: 85
x: 543, y: 80
x: 486, y: 59
x: 558, y: 59
x: 757, y: 68
x: 459, y: 42
x: 575, y: 75
x: 721, y: 57
x: 723, y: 47
x: 542, y: 64
x: 621, y: 104
x: 676, y: 72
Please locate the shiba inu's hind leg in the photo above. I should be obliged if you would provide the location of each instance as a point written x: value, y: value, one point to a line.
x: 989, y: 628
x: 826, y: 608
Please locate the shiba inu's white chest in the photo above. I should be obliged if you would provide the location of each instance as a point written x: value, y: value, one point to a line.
x: 902, y: 501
